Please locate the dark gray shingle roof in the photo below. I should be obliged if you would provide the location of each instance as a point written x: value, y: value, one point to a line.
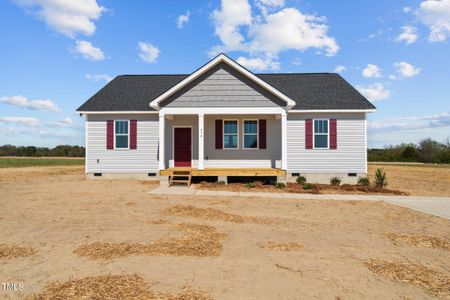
x: 318, y: 91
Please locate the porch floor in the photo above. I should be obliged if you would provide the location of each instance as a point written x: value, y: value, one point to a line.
x: 226, y: 172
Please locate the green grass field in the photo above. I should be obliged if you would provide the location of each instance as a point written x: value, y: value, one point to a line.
x: 39, y: 162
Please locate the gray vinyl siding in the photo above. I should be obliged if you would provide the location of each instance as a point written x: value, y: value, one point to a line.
x: 180, y: 121
x: 349, y: 157
x: 144, y: 159
x: 223, y: 87
x: 243, y: 158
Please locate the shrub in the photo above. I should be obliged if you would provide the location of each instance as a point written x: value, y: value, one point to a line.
x: 364, y: 181
x: 308, y: 186
x: 250, y: 185
x: 335, y: 180
x: 380, y: 178
x: 220, y: 182
x: 280, y: 185
x: 301, y: 179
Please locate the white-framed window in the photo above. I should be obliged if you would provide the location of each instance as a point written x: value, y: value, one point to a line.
x: 121, y: 134
x: 250, y: 134
x: 230, y: 134
x: 321, y: 134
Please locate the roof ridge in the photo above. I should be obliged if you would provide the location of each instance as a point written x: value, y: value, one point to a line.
x: 153, y: 75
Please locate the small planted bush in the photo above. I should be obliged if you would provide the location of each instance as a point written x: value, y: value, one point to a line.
x: 380, y: 179
x: 220, y: 182
x: 308, y: 186
x: 280, y: 185
x: 301, y: 179
x: 250, y: 185
x: 335, y: 180
x: 364, y: 181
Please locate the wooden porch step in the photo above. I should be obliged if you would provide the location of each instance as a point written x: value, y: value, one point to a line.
x: 183, y: 176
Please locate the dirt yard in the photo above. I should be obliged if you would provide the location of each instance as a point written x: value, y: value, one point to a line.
x: 418, y: 180
x: 104, y: 238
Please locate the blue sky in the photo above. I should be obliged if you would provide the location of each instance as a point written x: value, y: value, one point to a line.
x: 56, y: 54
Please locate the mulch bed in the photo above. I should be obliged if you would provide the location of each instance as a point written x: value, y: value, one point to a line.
x: 298, y: 188
x: 198, y: 240
x: 124, y: 287
x: 433, y: 282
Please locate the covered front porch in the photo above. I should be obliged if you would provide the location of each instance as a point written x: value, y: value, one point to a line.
x: 223, y: 141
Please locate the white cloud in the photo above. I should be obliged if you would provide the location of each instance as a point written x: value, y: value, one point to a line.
x: 371, y: 71
x: 26, y: 121
x: 406, y: 70
x: 183, y: 19
x: 99, y: 77
x: 408, y: 35
x: 272, y: 3
x: 88, y: 51
x: 66, y: 122
x: 66, y: 17
x: 38, y: 104
x: 259, y: 63
x: 148, y: 52
x: 374, y: 92
x: 233, y: 14
x: 270, y: 33
x: 436, y: 15
x: 411, y: 123
x: 407, y: 9
x: 339, y: 69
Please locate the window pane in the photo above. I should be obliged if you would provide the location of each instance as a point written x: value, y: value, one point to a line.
x: 250, y: 141
x: 250, y: 127
x: 230, y: 141
x: 230, y: 127
x: 121, y: 141
x: 316, y: 126
x: 122, y: 127
x: 321, y: 141
x: 325, y: 126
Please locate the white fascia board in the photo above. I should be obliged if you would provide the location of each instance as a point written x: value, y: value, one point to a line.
x: 115, y: 112
x: 305, y: 111
x: 222, y: 58
x: 221, y: 110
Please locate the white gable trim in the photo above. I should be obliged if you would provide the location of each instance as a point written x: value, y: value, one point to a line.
x: 217, y: 60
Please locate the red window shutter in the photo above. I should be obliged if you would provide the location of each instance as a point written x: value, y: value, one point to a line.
x: 110, y: 134
x: 262, y: 134
x: 308, y: 134
x: 333, y: 134
x: 133, y: 134
x: 219, y: 138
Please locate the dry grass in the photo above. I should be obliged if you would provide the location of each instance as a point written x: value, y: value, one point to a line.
x: 282, y: 246
x: 158, y: 222
x: 122, y: 287
x: 213, y: 214
x: 199, y: 240
x: 423, y: 241
x: 13, y: 251
x: 435, y: 283
x: 422, y: 180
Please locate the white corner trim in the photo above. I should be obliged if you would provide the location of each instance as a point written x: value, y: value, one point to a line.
x: 218, y: 59
x: 306, y: 111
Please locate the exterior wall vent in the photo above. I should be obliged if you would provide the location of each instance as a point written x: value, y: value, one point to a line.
x: 295, y: 174
x: 351, y: 174
x: 151, y: 174
x: 97, y: 174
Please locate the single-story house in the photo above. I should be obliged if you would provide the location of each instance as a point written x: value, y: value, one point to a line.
x: 223, y: 120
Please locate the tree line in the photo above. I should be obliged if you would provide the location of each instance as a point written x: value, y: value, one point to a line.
x: 32, y: 151
x: 426, y: 151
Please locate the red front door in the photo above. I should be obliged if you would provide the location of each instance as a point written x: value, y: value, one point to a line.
x: 182, y: 147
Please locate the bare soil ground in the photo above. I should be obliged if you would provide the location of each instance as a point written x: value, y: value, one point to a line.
x: 418, y: 180
x: 256, y: 248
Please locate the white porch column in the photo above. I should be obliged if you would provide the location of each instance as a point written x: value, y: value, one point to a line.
x: 161, y: 142
x: 284, y: 141
x: 201, y: 141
